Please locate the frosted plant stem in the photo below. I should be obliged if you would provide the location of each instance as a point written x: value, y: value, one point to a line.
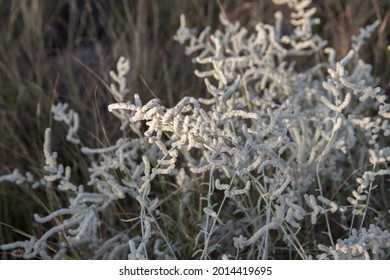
x: 368, y: 200
x: 352, y: 221
x: 298, y: 247
x: 142, y: 216
x: 326, y: 213
x: 162, y: 234
x: 206, y: 232
x: 219, y: 211
x: 216, y: 218
x: 326, y: 150
x: 265, y: 251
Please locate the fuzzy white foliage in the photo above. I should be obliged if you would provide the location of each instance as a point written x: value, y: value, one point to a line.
x: 270, y: 127
x: 70, y: 118
x: 119, y: 88
x: 365, y: 33
x: 365, y: 244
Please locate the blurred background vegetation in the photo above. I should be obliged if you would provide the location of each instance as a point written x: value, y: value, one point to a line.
x: 58, y: 51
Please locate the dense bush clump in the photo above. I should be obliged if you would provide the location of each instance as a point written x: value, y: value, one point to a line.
x: 286, y: 157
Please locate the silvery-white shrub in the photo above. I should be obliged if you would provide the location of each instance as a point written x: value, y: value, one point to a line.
x: 290, y: 144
